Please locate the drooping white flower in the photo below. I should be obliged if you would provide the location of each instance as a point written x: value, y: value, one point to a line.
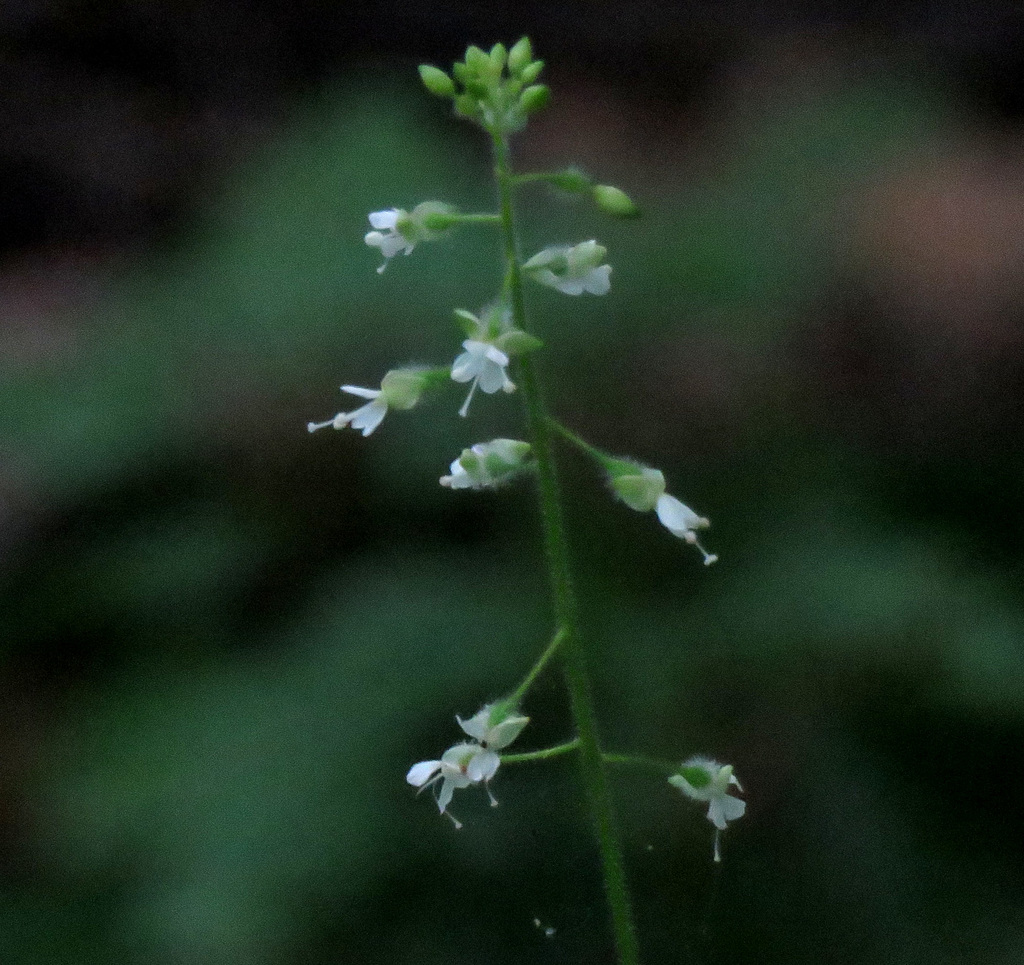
x: 643, y: 489
x: 493, y: 734
x: 486, y: 365
x: 705, y: 780
x: 399, y: 389
x: 487, y: 465
x: 572, y: 270
x: 387, y: 234
x: 460, y: 766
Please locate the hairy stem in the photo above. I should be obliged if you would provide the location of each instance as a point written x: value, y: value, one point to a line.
x: 592, y: 768
x: 543, y: 755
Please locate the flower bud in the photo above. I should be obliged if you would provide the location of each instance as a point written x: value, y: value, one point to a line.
x: 476, y: 60
x: 436, y: 81
x: 519, y: 56
x: 531, y: 72
x: 614, y: 202
x: 534, y: 98
x: 498, y: 56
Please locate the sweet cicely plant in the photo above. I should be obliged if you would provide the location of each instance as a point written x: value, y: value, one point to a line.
x: 498, y: 91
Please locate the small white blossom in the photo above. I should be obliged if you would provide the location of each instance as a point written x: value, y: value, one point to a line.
x: 487, y: 465
x: 493, y: 735
x: 486, y: 365
x: 467, y: 763
x: 708, y: 781
x: 387, y: 235
x: 572, y: 270
x: 399, y: 389
x: 643, y: 489
x: 366, y: 417
x: 460, y: 766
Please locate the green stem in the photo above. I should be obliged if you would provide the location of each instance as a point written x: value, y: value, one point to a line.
x: 514, y: 700
x: 648, y: 763
x: 479, y: 218
x: 557, y: 751
x: 592, y: 768
x: 601, y: 458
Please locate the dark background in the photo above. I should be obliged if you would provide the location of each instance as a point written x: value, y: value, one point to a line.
x: 224, y: 641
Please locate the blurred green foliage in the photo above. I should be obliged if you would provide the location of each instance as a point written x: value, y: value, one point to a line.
x: 234, y: 638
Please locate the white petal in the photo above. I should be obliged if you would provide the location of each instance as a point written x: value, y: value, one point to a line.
x: 362, y: 393
x: 483, y: 766
x: 496, y: 355
x: 492, y: 378
x: 733, y: 807
x: 597, y: 281
x: 384, y: 220
x: 477, y: 725
x: 465, y: 367
x: 420, y: 773
x: 392, y: 244
x: 570, y: 286
x: 445, y: 797
x: 676, y: 517
x: 369, y: 416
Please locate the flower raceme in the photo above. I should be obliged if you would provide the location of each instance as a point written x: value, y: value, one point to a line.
x: 399, y: 389
x: 466, y: 764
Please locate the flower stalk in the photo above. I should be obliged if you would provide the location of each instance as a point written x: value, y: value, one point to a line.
x: 592, y: 768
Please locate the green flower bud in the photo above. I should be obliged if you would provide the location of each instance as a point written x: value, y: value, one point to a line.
x: 466, y: 105
x: 437, y: 81
x: 531, y: 72
x: 476, y: 60
x: 534, y: 98
x: 519, y: 56
x: 498, y: 56
x: 615, y: 202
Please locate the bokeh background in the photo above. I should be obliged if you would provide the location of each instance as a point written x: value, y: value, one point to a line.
x: 223, y: 641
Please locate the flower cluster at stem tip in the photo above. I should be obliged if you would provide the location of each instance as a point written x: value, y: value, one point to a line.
x: 466, y: 764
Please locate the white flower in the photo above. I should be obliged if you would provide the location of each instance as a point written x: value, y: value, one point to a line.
x: 683, y: 522
x: 399, y: 389
x: 486, y: 365
x: 643, y: 489
x: 366, y: 417
x: 708, y: 781
x: 460, y: 766
x: 572, y: 270
x: 493, y: 735
x: 387, y: 235
x: 486, y: 465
